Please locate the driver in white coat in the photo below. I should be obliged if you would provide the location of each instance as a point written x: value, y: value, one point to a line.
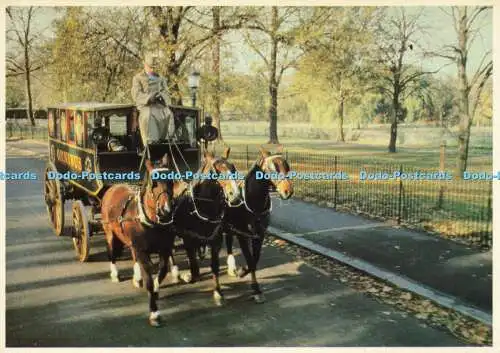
x: 149, y: 91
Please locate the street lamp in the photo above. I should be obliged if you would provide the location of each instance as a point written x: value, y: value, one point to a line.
x: 194, y: 83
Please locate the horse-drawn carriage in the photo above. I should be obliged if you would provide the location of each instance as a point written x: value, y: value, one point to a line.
x: 96, y: 159
x: 93, y: 146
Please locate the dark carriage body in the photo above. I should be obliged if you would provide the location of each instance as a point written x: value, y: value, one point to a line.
x: 90, y: 141
x: 72, y: 148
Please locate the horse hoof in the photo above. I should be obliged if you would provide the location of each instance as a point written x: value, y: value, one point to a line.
x: 231, y: 266
x: 186, y: 277
x: 137, y: 283
x: 218, y: 299
x: 242, y: 272
x: 115, y: 279
x: 154, y: 319
x: 155, y: 322
x: 175, y: 275
x: 259, y: 298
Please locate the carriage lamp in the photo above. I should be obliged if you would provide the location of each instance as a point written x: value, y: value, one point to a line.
x: 194, y: 83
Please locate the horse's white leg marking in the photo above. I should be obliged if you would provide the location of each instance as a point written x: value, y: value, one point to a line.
x: 137, y: 275
x: 137, y: 272
x: 156, y: 285
x: 114, y: 272
x: 154, y: 318
x: 154, y: 315
x: 231, y: 266
x: 175, y: 274
x: 186, y: 276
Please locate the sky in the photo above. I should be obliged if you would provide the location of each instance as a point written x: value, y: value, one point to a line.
x: 438, y: 25
x: 439, y: 31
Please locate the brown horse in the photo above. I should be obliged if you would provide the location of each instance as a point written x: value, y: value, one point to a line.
x: 142, y: 220
x: 199, y: 214
x: 250, y: 220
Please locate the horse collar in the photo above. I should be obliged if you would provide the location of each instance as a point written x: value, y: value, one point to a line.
x: 268, y: 210
x: 197, y: 213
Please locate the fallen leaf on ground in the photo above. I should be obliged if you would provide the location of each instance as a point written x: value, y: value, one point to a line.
x: 406, y: 296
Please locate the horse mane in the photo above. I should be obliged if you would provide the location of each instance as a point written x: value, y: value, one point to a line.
x: 254, y: 168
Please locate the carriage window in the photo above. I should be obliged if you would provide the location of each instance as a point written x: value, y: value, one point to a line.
x: 63, y: 126
x: 89, y: 124
x: 71, y: 126
x: 117, y: 125
x: 50, y: 124
x: 79, y: 129
x: 190, y: 134
x: 56, y: 125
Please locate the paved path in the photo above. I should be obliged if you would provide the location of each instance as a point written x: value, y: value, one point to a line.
x: 438, y: 263
x: 52, y: 300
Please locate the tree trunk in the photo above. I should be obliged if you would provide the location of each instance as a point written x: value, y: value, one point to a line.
x: 216, y: 68
x: 273, y: 84
x: 29, y: 97
x: 394, y: 125
x: 273, y: 115
x: 465, y: 119
x: 341, y: 118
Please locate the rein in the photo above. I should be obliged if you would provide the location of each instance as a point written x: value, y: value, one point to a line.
x: 191, y: 193
x: 197, y: 213
x: 268, y: 210
x: 142, y: 217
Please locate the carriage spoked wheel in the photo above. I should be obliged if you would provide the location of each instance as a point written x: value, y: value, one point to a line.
x: 54, y: 202
x: 81, y: 231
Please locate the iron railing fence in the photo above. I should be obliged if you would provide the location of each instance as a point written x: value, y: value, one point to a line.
x: 456, y: 208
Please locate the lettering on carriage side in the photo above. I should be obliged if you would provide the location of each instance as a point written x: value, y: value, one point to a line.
x: 71, y: 160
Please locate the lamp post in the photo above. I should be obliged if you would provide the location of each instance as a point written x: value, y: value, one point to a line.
x: 194, y: 83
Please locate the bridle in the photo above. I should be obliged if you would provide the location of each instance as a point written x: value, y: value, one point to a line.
x: 142, y: 214
x: 268, y: 162
x: 195, y: 211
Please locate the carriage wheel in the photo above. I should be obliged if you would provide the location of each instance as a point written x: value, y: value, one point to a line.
x: 81, y: 231
x: 54, y: 202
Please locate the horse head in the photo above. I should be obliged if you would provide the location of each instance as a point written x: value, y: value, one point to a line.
x: 226, y: 175
x: 159, y: 193
x: 276, y: 164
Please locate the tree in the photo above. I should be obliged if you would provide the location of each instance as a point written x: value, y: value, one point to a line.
x: 278, y: 28
x: 337, y: 54
x: 23, y: 41
x: 470, y: 87
x: 185, y: 34
x: 397, y: 79
x: 96, y: 53
x: 217, y: 34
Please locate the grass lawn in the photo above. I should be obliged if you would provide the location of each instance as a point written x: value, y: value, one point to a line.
x: 480, y: 159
